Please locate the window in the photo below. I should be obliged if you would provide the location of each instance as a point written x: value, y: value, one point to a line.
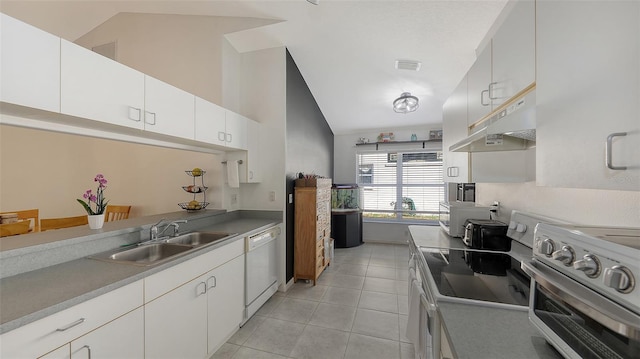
x: 401, y: 185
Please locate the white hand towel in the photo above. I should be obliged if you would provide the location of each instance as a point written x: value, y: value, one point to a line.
x: 233, y: 176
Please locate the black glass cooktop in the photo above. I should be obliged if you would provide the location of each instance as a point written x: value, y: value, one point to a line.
x: 478, y: 275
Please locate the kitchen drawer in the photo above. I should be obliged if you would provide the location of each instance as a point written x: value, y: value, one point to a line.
x: 42, y: 336
x: 162, y: 282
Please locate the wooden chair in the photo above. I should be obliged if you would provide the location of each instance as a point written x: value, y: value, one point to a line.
x: 30, y: 214
x: 116, y: 213
x: 64, y: 222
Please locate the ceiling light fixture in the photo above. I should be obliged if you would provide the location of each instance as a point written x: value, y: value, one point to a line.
x: 405, y: 103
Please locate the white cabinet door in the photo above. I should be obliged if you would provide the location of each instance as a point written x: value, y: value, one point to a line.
x: 588, y: 80
x: 454, y: 129
x: 98, y: 88
x: 176, y: 323
x: 236, y: 130
x: 479, y: 78
x: 168, y: 109
x: 513, y: 53
x: 29, y: 65
x: 210, y: 123
x: 253, y: 168
x: 64, y: 352
x: 225, y: 295
x: 121, y: 338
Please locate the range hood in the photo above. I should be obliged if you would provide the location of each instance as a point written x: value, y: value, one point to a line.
x: 510, y: 127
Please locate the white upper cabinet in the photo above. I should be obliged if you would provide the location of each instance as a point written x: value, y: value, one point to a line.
x: 514, y: 53
x: 479, y: 78
x: 29, y: 65
x: 454, y: 129
x: 506, y: 65
x: 236, y: 130
x: 168, y: 110
x: 98, y: 88
x: 210, y: 123
x: 588, y: 79
x: 254, y: 170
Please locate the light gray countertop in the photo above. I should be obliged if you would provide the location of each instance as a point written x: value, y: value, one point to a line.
x: 32, y: 295
x: 492, y: 333
x: 479, y: 331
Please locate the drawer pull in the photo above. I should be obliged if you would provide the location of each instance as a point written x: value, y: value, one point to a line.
x: 77, y: 322
x: 88, y: 351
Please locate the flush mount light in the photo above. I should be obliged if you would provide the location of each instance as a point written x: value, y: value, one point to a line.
x: 405, y: 103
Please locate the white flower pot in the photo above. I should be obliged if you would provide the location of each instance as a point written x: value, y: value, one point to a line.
x: 96, y: 221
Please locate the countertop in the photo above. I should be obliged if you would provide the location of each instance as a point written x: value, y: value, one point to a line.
x: 36, y: 294
x: 470, y: 327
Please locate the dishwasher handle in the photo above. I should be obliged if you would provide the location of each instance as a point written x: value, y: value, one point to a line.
x: 262, y: 238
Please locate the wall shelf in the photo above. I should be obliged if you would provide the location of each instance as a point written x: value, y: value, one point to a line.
x: 377, y: 144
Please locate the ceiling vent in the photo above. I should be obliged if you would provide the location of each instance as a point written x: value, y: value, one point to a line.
x: 408, y: 65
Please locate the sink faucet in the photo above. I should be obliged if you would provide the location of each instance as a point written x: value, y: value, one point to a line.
x: 154, y: 233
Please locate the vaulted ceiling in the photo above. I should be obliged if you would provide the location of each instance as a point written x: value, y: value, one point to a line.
x: 346, y: 50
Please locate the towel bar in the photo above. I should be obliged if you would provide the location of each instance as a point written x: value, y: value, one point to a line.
x: 225, y: 162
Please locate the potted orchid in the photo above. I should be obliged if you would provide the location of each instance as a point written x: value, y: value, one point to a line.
x: 95, y: 204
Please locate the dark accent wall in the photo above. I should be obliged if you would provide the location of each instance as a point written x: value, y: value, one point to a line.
x: 309, y: 143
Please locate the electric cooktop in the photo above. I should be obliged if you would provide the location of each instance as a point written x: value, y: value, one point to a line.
x: 478, y: 275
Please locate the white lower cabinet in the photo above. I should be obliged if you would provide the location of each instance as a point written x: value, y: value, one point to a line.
x: 225, y: 301
x: 176, y: 323
x: 121, y: 338
x: 64, y: 352
x: 57, y: 330
x: 195, y: 306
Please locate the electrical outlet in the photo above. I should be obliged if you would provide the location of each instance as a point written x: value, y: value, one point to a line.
x: 234, y: 198
x: 495, y: 207
x: 272, y: 196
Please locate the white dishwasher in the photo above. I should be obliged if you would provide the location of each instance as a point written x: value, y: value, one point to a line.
x: 261, y: 269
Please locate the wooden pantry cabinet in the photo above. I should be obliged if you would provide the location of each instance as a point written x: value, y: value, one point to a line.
x: 312, y: 228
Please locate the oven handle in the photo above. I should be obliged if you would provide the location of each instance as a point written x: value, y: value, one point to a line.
x: 601, y: 309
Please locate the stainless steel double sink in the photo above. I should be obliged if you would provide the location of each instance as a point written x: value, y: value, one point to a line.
x: 148, y: 254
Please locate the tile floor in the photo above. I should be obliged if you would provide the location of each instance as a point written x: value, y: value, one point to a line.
x: 358, y: 309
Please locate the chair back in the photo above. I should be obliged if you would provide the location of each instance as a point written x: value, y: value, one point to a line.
x: 30, y: 214
x: 116, y: 213
x: 64, y: 222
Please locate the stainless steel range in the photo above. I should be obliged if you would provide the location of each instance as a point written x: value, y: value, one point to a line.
x: 474, y: 276
x: 585, y: 297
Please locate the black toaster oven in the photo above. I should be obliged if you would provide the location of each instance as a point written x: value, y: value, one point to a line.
x: 486, y: 234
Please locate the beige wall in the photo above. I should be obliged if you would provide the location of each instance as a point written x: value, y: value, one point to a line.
x: 49, y: 170
x: 182, y: 50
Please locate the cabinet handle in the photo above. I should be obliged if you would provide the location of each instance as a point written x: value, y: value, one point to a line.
x: 198, y: 293
x: 153, y: 115
x: 250, y: 174
x: 221, y: 136
x: 491, y: 97
x: 88, y: 351
x: 134, y: 114
x: 482, y: 97
x: 229, y: 137
x: 215, y: 282
x: 609, y: 151
x: 77, y: 322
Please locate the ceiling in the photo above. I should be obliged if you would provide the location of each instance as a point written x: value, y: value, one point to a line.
x: 346, y: 50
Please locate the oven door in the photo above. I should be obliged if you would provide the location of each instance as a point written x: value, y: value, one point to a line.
x: 578, y: 321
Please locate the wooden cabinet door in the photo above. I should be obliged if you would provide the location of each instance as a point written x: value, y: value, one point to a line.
x: 121, y: 338
x: 176, y: 323
x: 225, y: 297
x: 97, y: 88
x: 29, y: 65
x: 168, y: 109
x: 210, y: 122
x: 454, y: 129
x: 588, y: 86
x: 513, y: 53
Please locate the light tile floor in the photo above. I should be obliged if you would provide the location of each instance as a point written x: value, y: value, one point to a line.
x: 358, y: 309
